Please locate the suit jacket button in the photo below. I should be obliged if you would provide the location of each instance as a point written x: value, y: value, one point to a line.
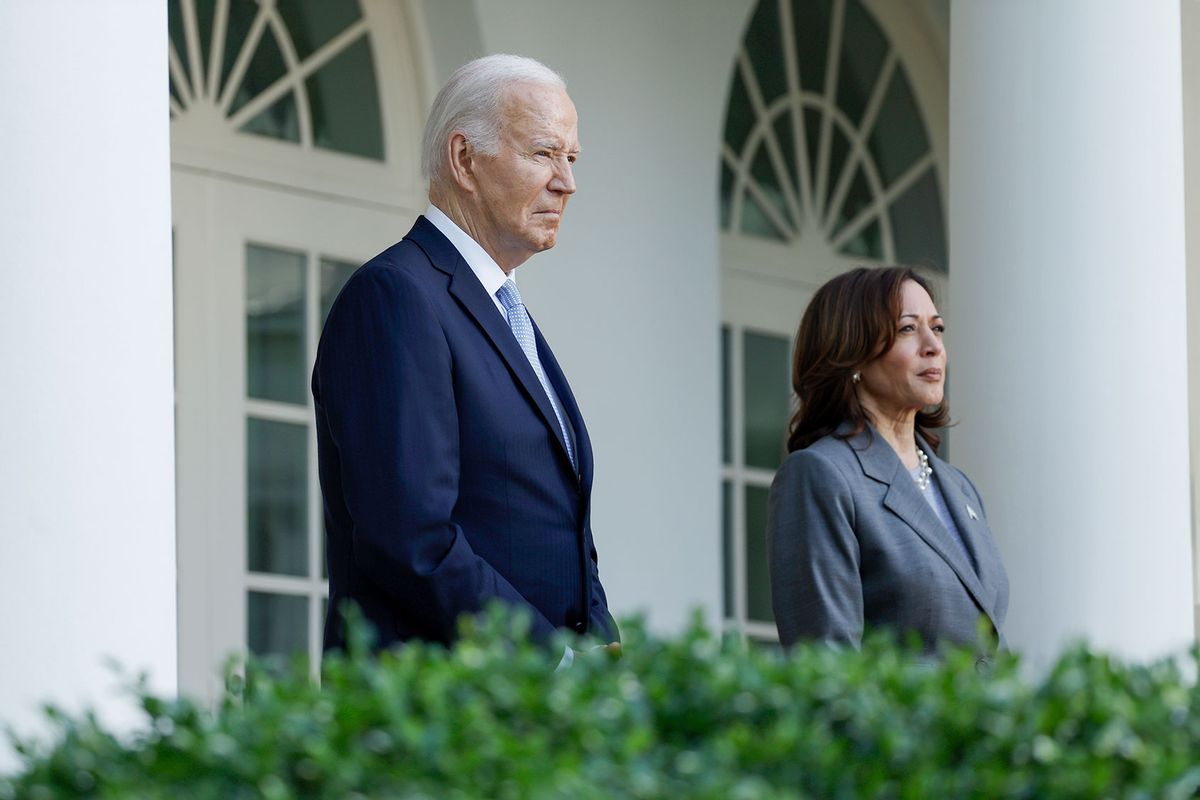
x: 579, y: 627
x: 983, y: 664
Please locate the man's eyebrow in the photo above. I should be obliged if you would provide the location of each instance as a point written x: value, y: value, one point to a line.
x: 554, y: 144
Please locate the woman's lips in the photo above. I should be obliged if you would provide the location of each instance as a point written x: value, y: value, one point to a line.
x: 931, y: 374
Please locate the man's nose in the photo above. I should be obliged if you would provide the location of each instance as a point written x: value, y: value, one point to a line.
x: 563, y: 179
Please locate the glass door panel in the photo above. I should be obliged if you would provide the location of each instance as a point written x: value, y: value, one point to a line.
x: 275, y: 329
x: 755, y: 411
x: 258, y: 269
x: 758, y: 578
x: 765, y: 389
x: 286, y: 574
x: 276, y: 624
x: 277, y: 497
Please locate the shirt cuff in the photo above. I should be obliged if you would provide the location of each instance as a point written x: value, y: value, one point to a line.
x: 568, y: 658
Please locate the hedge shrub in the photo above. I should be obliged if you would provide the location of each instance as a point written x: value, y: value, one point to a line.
x: 692, y: 716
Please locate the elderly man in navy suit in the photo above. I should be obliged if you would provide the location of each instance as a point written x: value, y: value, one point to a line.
x: 454, y: 462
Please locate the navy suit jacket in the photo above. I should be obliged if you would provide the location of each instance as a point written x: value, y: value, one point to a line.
x: 445, y: 477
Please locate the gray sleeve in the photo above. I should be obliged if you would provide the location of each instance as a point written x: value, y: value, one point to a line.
x: 816, y: 589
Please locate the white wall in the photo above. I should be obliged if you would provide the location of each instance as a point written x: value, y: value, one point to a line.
x: 87, y: 545
x: 1069, y: 359
x: 451, y: 38
x: 629, y: 298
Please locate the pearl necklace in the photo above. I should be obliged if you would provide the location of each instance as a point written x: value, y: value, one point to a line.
x: 923, y: 475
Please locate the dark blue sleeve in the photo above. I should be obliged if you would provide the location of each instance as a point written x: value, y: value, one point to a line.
x: 600, y: 621
x: 385, y: 381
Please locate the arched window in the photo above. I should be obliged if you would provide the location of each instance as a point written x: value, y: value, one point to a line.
x: 300, y: 71
x: 826, y: 162
x: 823, y: 138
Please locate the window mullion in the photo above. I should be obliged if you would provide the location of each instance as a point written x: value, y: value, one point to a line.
x: 837, y: 18
x: 738, y: 489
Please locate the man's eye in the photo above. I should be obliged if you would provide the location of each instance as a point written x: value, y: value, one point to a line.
x: 571, y: 159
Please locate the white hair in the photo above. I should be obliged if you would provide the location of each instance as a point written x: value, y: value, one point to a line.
x: 471, y: 101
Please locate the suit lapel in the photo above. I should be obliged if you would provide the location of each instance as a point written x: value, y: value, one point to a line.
x: 881, y: 463
x: 474, y: 299
x: 974, y: 531
x: 583, y: 445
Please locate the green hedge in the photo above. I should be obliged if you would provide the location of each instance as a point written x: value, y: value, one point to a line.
x: 692, y: 716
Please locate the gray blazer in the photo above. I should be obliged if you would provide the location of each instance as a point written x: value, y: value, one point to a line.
x: 852, y: 543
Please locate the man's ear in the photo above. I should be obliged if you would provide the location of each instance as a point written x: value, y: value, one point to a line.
x: 460, y: 156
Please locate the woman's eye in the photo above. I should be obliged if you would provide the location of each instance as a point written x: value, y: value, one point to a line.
x: 907, y: 328
x: 940, y: 328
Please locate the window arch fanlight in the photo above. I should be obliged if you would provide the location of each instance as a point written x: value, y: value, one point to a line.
x: 824, y: 138
x: 297, y: 71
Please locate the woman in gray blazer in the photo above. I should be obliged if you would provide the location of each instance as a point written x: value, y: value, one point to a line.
x: 867, y: 527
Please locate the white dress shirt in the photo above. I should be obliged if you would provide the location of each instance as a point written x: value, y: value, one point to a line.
x: 483, y: 265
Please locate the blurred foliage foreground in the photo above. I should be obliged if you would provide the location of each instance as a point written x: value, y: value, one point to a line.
x: 693, y: 716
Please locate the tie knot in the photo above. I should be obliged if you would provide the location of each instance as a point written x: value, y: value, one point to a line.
x: 510, y: 298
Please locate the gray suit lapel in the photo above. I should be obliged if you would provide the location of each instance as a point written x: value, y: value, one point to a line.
x: 903, y: 499
x: 974, y: 531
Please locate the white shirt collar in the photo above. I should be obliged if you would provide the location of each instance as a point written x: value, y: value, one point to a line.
x: 483, y: 265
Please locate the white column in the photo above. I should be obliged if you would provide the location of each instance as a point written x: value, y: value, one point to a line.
x: 1190, y: 12
x: 87, y: 542
x: 1069, y: 338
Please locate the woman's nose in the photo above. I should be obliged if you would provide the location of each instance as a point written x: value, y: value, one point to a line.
x: 933, y: 343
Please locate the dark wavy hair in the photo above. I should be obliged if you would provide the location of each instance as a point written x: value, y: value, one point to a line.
x: 850, y: 322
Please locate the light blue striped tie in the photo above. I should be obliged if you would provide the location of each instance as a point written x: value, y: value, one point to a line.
x: 522, y: 328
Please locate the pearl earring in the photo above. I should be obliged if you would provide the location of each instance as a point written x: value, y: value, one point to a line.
x: 856, y: 377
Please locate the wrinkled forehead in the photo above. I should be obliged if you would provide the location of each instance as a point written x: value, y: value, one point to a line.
x: 533, y: 110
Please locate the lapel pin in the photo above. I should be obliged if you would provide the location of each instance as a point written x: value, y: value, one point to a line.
x: 971, y: 512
